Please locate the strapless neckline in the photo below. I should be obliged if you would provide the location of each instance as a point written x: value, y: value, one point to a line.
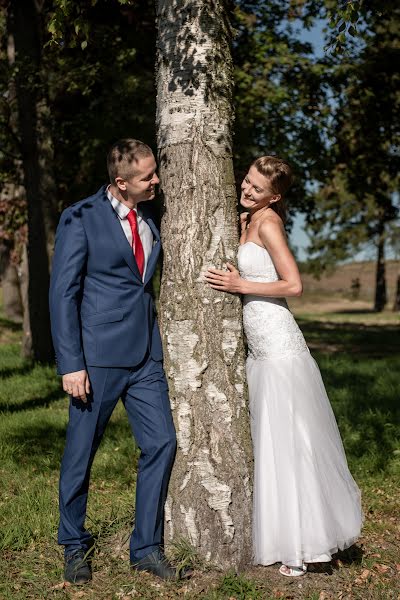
x: 254, y: 244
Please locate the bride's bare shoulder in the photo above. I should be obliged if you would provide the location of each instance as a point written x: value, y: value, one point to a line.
x: 271, y: 226
x: 271, y: 219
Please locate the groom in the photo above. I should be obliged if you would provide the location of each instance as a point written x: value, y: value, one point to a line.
x: 108, y: 346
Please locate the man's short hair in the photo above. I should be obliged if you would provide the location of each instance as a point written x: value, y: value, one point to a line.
x: 122, y: 157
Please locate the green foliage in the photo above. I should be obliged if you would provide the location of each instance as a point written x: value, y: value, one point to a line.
x: 280, y: 98
x: 348, y: 20
x: 344, y: 18
x: 357, y: 198
x: 335, y: 118
x: 105, y: 92
x: 96, y: 77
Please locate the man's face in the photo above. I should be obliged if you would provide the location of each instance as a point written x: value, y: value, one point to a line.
x: 141, y: 186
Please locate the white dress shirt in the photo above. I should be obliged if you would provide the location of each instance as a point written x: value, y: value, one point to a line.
x: 145, y: 233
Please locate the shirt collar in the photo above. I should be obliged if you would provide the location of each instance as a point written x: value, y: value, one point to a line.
x: 121, y: 210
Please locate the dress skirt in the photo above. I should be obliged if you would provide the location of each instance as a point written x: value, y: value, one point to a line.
x: 306, y: 503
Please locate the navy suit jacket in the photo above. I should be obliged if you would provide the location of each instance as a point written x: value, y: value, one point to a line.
x: 102, y: 313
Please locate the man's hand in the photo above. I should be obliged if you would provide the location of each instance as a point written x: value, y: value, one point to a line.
x: 225, y: 281
x: 76, y: 384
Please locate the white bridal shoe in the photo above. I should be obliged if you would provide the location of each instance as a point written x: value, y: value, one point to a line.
x: 293, y: 571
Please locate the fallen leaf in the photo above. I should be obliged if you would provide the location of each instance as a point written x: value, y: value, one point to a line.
x: 183, y: 590
x: 381, y: 568
x: 365, y: 573
x: 61, y: 586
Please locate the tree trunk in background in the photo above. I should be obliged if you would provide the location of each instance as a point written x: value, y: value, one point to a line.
x: 209, y: 499
x: 26, y: 349
x: 12, y: 302
x: 396, y: 304
x: 380, y: 286
x: 25, y: 29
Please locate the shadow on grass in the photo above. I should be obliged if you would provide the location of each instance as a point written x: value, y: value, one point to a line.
x: 40, y: 444
x: 350, y: 556
x: 37, y: 445
x: 32, y: 403
x: 23, y: 369
x: 367, y: 340
x: 11, y: 325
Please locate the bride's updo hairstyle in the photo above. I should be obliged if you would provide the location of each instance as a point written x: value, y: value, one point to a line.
x: 280, y: 178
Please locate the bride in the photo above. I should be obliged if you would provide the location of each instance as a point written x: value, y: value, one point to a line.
x: 306, y: 504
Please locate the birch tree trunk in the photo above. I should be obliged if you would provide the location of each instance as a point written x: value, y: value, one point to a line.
x: 209, y: 500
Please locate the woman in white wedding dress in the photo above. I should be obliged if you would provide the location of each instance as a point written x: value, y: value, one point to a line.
x: 306, y: 505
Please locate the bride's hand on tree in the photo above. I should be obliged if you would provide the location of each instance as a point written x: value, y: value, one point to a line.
x: 225, y: 281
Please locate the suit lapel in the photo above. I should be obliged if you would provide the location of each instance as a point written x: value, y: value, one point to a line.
x: 113, y: 223
x: 151, y: 263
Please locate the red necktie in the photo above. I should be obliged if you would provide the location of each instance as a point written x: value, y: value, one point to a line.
x: 136, y: 241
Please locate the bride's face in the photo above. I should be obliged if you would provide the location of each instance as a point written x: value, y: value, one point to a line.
x: 256, y: 191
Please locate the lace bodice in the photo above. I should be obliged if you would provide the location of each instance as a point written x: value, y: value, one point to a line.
x: 270, y: 327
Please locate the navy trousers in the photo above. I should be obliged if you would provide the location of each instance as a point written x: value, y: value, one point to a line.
x: 144, y: 392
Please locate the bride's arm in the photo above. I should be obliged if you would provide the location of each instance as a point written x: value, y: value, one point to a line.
x: 273, y: 237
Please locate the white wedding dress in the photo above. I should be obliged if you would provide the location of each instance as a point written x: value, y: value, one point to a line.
x: 306, y: 504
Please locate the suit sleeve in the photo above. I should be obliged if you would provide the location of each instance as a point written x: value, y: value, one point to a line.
x: 68, y: 269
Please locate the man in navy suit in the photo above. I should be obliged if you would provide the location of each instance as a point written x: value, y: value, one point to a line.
x: 108, y: 346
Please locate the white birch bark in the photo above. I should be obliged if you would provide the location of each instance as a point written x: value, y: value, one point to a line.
x: 209, y: 500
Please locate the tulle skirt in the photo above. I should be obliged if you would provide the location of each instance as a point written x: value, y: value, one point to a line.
x: 306, y: 503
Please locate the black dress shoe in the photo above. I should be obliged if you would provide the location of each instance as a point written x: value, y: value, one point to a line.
x: 77, y: 567
x: 157, y: 564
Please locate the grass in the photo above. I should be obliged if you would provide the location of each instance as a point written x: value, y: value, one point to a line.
x: 360, y: 364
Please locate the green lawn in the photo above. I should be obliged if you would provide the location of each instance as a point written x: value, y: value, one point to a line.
x: 360, y: 365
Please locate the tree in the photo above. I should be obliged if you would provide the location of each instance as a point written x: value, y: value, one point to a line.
x: 280, y: 93
x: 88, y: 80
x: 23, y: 18
x: 357, y: 199
x: 210, y: 493
x: 101, y: 64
